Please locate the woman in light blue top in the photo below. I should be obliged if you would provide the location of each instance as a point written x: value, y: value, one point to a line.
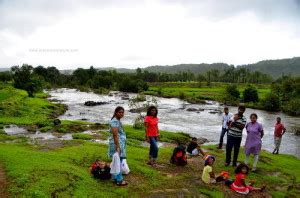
x: 117, y: 141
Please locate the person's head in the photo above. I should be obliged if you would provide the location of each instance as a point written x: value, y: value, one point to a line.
x: 253, y: 117
x: 242, y: 168
x: 119, y: 113
x: 241, y: 109
x: 226, y: 110
x: 152, y: 111
x: 209, y: 160
x: 100, y: 163
x: 236, y: 117
x: 278, y: 119
x: 194, y: 139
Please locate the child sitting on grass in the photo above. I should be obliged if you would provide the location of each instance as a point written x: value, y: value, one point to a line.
x: 194, y: 149
x: 179, y: 157
x: 208, y: 175
x: 100, y: 170
x: 239, y: 185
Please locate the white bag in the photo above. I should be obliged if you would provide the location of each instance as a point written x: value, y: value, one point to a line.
x: 124, y: 167
x: 115, y: 166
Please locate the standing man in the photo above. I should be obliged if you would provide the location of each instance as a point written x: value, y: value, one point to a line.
x: 234, y: 136
x: 225, y: 120
x: 278, y: 132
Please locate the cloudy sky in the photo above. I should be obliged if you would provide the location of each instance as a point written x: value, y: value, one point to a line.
x: 139, y: 33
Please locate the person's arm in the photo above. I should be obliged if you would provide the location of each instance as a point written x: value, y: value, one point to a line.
x: 158, y: 134
x: 212, y: 174
x: 243, y: 182
x: 262, y: 133
x: 146, y: 127
x: 201, y: 151
x: 115, y: 132
x: 283, y: 130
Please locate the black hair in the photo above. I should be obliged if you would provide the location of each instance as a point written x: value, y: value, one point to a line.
x: 194, y: 138
x: 240, y: 167
x: 253, y: 114
x: 279, y: 118
x: 242, y: 107
x: 226, y: 108
x: 119, y: 108
x: 209, y: 157
x: 150, y: 109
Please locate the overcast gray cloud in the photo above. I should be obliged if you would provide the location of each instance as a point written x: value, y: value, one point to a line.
x: 133, y: 33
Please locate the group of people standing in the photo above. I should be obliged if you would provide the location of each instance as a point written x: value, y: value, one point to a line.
x: 234, y: 125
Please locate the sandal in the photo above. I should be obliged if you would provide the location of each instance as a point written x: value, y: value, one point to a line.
x: 122, y: 183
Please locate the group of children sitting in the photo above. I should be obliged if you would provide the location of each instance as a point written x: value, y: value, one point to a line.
x: 101, y: 170
x: 238, y: 184
x: 181, y: 153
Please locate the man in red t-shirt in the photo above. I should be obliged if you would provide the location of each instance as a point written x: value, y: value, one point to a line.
x: 278, y: 132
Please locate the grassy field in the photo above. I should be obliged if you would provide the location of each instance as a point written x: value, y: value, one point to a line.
x: 56, y: 168
x: 17, y: 108
x: 43, y: 171
x: 192, y: 91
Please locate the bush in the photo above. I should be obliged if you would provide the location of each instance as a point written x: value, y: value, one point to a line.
x: 231, y: 95
x: 272, y: 102
x: 292, y: 107
x: 182, y: 95
x: 232, y: 91
x: 250, y: 94
x: 138, y: 123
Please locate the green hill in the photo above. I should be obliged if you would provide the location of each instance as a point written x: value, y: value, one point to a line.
x: 275, y: 68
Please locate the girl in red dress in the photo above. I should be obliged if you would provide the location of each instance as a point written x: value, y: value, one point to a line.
x: 239, y: 185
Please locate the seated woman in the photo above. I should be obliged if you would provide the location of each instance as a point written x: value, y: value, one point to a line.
x: 100, y: 170
x: 194, y: 149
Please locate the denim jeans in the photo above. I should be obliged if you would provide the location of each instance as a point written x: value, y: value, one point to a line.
x: 233, y: 142
x: 153, y: 147
x: 224, y: 130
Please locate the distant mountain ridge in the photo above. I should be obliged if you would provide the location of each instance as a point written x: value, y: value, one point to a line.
x: 275, y: 68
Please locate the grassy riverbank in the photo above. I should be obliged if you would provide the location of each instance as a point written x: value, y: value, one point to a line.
x: 43, y: 170
x: 195, y: 93
x: 17, y: 108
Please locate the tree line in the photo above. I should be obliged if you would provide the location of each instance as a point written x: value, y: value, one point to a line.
x: 228, y: 75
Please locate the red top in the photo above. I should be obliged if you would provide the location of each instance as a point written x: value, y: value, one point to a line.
x: 152, y: 129
x: 278, y: 129
x: 238, y: 179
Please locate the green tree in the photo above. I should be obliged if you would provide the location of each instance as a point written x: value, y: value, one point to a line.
x: 250, y: 94
x: 25, y: 79
x: 272, y: 102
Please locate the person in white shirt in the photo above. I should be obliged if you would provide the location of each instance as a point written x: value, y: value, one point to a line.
x: 225, y: 119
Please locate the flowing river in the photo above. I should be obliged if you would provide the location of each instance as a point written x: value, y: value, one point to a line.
x: 173, y: 116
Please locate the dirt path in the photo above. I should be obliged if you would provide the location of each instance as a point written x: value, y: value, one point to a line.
x: 3, y: 183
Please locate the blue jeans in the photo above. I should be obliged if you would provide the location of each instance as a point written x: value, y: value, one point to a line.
x: 224, y: 130
x: 153, y: 147
x: 118, y: 177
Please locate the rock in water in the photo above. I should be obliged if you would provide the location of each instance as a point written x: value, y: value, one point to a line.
x: 93, y: 103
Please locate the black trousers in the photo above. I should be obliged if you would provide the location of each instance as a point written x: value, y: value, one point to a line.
x: 233, y: 142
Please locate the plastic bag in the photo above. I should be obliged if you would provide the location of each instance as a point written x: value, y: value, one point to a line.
x: 115, y: 166
x: 124, y: 167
